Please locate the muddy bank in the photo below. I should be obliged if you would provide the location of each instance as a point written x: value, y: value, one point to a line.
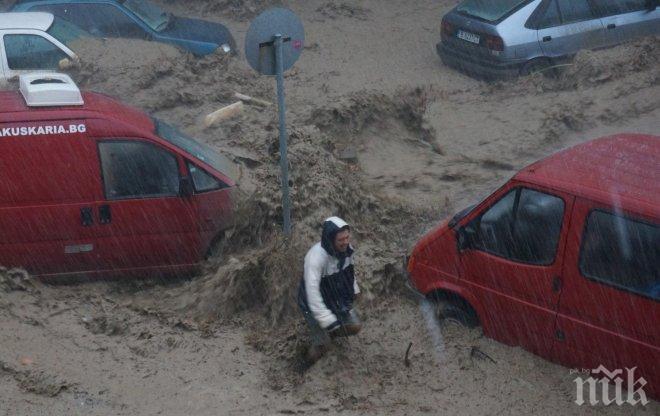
x: 238, y: 10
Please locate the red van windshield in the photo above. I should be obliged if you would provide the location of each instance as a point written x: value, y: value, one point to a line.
x: 199, y: 150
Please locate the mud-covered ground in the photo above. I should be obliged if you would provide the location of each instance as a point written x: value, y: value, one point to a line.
x: 382, y: 134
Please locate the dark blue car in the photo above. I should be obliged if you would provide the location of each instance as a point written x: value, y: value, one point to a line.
x: 137, y: 19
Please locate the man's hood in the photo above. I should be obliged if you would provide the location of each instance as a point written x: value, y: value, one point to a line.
x: 199, y: 30
x: 331, y: 227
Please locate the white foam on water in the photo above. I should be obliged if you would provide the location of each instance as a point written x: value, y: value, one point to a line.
x: 433, y: 327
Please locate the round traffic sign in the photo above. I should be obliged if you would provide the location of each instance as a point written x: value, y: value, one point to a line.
x: 260, y: 40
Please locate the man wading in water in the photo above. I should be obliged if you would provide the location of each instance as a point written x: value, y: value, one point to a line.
x: 328, y: 288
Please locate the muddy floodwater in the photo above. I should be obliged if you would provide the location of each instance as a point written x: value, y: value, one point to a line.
x: 381, y: 134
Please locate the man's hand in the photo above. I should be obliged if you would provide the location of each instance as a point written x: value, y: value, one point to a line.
x: 336, y: 331
x: 345, y: 330
x: 336, y: 325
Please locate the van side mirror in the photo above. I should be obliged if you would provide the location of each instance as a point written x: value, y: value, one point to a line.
x: 465, y: 238
x: 185, y: 187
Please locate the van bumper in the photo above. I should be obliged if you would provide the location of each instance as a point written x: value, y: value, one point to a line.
x: 408, y: 280
x: 479, y: 66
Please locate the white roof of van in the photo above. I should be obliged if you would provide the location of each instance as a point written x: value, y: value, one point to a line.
x: 26, y: 20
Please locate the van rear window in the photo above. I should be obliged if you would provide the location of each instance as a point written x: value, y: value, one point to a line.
x: 622, y: 252
x: 489, y: 10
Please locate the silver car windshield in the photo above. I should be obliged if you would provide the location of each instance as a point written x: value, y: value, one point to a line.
x: 490, y: 10
x: 155, y: 17
x: 199, y: 150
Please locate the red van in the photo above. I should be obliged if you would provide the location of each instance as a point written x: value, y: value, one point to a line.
x: 93, y: 187
x: 563, y: 260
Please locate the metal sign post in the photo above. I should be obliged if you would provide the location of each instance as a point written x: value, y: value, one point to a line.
x: 284, y: 161
x: 273, y: 44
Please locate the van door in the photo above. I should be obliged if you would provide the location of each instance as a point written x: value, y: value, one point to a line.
x: 625, y: 20
x: 145, y: 225
x: 514, y: 263
x: 610, y: 305
x: 569, y: 26
x: 46, y: 197
x: 213, y: 203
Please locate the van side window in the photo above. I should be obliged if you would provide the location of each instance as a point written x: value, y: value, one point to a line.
x: 202, y: 181
x: 575, y: 11
x: 622, y: 252
x: 32, y: 52
x: 523, y: 226
x: 134, y: 169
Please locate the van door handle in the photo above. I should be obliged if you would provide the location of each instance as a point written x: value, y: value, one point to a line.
x: 547, y: 38
x: 105, y: 215
x: 86, y: 217
x: 556, y: 284
x: 611, y: 26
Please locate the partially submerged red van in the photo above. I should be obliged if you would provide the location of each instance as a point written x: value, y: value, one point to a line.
x: 92, y: 187
x: 563, y: 260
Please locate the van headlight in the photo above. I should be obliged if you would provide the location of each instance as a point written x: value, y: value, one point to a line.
x: 225, y: 48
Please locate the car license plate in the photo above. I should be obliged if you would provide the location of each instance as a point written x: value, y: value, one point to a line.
x: 470, y: 37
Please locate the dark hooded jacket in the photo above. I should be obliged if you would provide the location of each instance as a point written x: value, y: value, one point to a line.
x: 328, y: 287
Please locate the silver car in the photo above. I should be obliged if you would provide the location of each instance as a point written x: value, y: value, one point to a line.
x: 506, y: 38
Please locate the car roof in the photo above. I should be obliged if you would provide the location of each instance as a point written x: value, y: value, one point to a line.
x: 96, y: 105
x: 622, y: 167
x: 26, y: 20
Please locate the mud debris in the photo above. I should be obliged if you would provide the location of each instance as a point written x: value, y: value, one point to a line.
x: 105, y: 325
x: 333, y: 10
x: 14, y: 279
x: 35, y: 381
x: 237, y: 9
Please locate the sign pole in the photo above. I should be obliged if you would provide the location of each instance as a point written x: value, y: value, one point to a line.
x: 273, y: 43
x: 284, y: 162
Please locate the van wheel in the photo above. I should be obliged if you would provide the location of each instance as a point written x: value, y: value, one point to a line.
x: 542, y: 65
x: 215, y: 246
x: 457, y: 312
